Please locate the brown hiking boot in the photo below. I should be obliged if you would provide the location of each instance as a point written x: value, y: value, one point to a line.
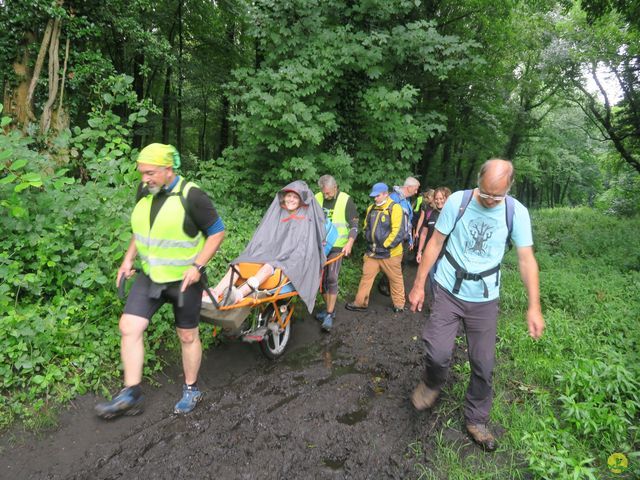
x: 482, y: 436
x: 423, y: 397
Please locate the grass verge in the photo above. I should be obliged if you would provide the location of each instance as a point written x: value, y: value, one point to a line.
x: 565, y: 404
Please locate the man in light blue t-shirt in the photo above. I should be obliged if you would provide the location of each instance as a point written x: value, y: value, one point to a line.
x: 467, y: 289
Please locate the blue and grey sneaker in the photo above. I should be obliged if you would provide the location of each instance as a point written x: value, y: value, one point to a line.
x: 128, y: 401
x: 327, y: 325
x: 321, y: 315
x: 191, y: 396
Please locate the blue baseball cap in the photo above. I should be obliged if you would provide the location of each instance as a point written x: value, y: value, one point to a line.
x: 379, y: 188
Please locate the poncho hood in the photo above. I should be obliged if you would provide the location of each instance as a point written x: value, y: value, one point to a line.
x: 292, y: 242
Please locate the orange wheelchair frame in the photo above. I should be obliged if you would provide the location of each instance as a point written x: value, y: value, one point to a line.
x: 271, y: 326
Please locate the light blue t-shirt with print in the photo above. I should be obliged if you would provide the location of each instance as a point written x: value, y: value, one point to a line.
x: 478, y: 243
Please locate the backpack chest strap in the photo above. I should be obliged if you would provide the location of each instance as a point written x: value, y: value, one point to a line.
x: 462, y: 274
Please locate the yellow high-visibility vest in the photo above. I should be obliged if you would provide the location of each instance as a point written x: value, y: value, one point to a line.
x: 338, y: 217
x: 418, y: 203
x: 165, y: 250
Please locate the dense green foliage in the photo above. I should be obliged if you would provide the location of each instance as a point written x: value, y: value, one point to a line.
x: 367, y: 90
x: 585, y: 372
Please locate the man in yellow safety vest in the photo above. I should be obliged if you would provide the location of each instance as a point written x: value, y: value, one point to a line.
x: 176, y: 231
x: 341, y: 210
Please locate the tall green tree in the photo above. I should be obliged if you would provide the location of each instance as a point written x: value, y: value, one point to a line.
x: 607, y: 44
x: 332, y: 91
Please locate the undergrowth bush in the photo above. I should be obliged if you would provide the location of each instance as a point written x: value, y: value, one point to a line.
x: 582, y: 378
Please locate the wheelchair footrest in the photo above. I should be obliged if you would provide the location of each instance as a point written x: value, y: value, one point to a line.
x: 255, y: 336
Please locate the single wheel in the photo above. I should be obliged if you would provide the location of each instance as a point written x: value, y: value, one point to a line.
x: 276, y: 339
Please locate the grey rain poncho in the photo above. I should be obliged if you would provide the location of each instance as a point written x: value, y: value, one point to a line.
x: 292, y: 242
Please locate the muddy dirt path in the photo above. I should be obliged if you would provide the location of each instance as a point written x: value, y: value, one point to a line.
x: 335, y: 406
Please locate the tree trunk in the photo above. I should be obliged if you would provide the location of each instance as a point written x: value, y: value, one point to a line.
x: 62, y: 119
x: 428, y: 153
x: 458, y: 156
x: 259, y: 55
x: 223, y: 141
x: 15, y: 99
x: 563, y: 193
x: 224, y: 137
x: 180, y: 80
x: 472, y: 166
x: 521, y: 192
x: 46, y: 38
x: 138, y: 86
x: 203, y: 131
x: 515, y: 139
x: 166, y: 94
x: 54, y: 69
x: 603, y: 120
x: 445, y: 165
x: 166, y: 106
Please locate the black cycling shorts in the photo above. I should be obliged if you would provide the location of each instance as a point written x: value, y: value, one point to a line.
x: 139, y: 303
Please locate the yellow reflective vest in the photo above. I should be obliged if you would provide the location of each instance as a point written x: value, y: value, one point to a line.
x: 338, y: 217
x: 165, y: 250
x: 416, y: 208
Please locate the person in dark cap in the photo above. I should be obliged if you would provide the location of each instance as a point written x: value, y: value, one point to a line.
x: 384, y: 231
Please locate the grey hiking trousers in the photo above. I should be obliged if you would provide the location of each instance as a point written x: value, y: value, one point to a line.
x: 439, y: 334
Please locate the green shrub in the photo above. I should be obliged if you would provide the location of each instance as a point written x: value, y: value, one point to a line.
x: 581, y: 380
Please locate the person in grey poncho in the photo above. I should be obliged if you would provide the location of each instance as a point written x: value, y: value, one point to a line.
x: 290, y: 236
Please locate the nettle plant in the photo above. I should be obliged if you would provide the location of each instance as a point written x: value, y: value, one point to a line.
x: 15, y: 175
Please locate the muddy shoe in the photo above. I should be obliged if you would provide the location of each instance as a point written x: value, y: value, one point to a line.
x: 355, y: 308
x: 321, y: 315
x: 423, y: 397
x: 383, y: 287
x: 191, y: 396
x: 128, y: 401
x: 482, y: 436
x: 327, y: 325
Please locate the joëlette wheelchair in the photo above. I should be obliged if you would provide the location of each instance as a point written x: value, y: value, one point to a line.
x: 272, y: 301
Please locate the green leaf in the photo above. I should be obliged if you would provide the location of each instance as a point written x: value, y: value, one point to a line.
x: 4, y: 154
x: 8, y: 179
x: 108, y: 98
x: 21, y: 186
x: 18, y: 211
x: 5, y: 121
x: 18, y: 164
x: 31, y: 177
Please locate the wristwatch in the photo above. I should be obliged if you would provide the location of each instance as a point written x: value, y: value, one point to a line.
x: 200, y: 268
